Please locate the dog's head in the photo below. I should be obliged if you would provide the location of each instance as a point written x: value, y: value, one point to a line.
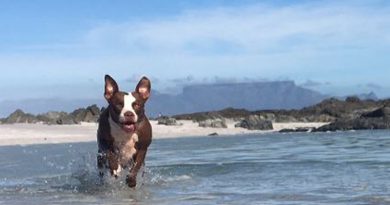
x: 126, y: 109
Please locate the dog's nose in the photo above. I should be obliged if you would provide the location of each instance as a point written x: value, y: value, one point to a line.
x: 129, y: 114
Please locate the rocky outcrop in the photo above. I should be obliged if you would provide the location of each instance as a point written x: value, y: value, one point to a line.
x: 376, y: 119
x: 165, y: 120
x: 348, y: 114
x: 20, y: 117
x: 89, y: 114
x: 214, y: 123
x: 255, y: 122
x: 230, y: 113
x: 55, y: 118
x: 299, y: 129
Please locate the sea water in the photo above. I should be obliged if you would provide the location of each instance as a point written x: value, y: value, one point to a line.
x: 298, y: 168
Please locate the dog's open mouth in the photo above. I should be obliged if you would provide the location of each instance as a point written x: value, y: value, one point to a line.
x: 129, y: 126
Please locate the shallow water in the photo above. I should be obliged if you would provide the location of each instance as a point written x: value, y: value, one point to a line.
x: 301, y: 168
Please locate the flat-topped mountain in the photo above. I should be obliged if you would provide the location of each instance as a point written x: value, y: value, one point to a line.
x: 250, y: 96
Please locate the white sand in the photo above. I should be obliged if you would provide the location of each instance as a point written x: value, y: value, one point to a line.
x: 25, y: 134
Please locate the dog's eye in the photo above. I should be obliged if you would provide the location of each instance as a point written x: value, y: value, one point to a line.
x: 136, y: 105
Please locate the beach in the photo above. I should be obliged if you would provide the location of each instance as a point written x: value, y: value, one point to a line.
x: 27, y: 134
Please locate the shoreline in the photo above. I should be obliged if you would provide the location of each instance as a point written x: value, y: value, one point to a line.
x: 30, y: 134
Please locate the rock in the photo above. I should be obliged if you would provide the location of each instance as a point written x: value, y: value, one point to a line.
x: 65, y: 120
x: 355, y: 124
x: 230, y: 113
x: 376, y: 119
x: 286, y: 130
x: 353, y: 99
x: 94, y: 109
x: 213, y: 134
x: 285, y: 118
x: 89, y: 114
x: 52, y: 117
x: 20, y: 117
x: 381, y: 112
x: 165, y: 120
x: 304, y: 129
x: 214, y: 123
x: 255, y: 122
x: 299, y: 129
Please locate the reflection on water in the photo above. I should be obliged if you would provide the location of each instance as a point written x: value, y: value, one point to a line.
x: 308, y: 168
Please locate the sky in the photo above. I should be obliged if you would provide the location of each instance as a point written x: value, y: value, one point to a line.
x: 64, y: 48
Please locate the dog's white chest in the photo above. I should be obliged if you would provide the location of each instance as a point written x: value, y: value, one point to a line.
x: 124, y: 144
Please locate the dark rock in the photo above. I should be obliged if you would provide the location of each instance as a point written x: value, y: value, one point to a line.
x: 353, y: 99
x: 213, y: 134
x: 355, y: 124
x: 89, y: 114
x: 214, y: 123
x: 286, y: 130
x: 20, y: 117
x: 52, y: 117
x: 299, y: 129
x: 381, y: 112
x: 94, y: 109
x: 255, y: 122
x: 230, y: 113
x: 165, y: 120
x: 304, y: 129
x: 66, y: 120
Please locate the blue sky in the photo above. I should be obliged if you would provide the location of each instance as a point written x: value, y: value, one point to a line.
x: 64, y: 48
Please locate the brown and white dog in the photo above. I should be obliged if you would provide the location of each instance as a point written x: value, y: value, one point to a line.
x: 124, y: 132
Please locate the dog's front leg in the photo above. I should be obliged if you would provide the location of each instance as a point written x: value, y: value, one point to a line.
x: 131, y: 179
x: 113, y: 163
x: 101, y: 162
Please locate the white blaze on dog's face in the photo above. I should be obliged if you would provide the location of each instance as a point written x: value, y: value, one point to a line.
x: 128, y: 102
x: 127, y: 108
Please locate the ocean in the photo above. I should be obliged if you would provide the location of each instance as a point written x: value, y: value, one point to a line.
x: 297, y: 168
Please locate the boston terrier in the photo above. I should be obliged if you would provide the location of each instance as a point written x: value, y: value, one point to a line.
x: 124, y: 133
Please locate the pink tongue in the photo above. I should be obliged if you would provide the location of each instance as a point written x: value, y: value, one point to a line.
x: 129, y: 128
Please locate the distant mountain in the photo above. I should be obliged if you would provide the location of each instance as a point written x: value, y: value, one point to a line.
x: 194, y: 98
x: 251, y: 96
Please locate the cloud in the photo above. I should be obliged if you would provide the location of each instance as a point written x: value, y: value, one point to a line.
x: 312, y: 83
x: 374, y: 86
x: 135, y: 78
x: 261, y: 40
x: 254, y: 29
x: 186, y: 80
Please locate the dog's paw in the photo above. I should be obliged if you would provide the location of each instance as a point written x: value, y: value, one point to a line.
x: 131, y: 180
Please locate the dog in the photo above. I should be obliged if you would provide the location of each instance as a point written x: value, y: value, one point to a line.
x: 124, y: 132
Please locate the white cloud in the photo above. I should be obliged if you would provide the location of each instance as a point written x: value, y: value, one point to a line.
x: 255, y: 29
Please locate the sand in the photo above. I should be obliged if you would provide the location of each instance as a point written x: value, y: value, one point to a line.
x: 27, y: 134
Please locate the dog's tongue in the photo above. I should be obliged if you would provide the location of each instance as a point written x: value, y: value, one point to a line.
x: 129, y: 127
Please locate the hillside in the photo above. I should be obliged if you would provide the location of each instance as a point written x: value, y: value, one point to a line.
x: 250, y: 96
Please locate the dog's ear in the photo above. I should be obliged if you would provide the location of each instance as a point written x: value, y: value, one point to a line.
x: 110, y: 87
x: 143, y: 88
